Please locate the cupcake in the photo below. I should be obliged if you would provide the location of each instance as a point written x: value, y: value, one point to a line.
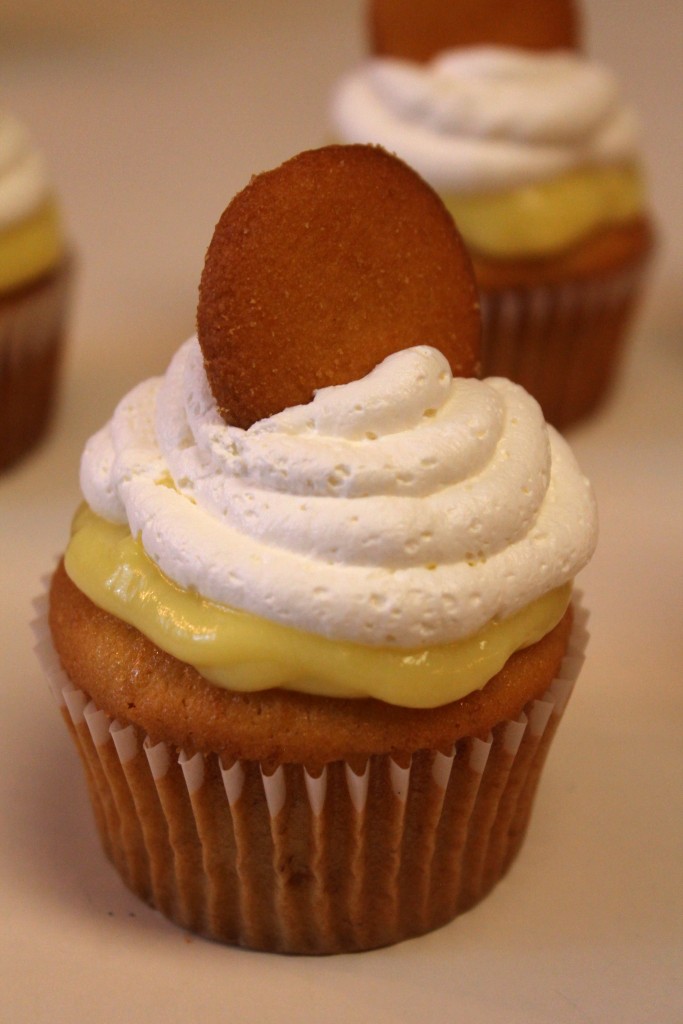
x: 313, y: 631
x: 34, y: 276
x: 536, y: 156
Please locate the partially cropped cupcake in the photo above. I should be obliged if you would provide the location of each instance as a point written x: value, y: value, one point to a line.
x: 314, y: 628
x: 34, y: 279
x: 536, y: 156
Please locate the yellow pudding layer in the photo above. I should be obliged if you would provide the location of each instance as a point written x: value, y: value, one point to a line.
x: 547, y: 218
x: 241, y: 651
x: 30, y: 248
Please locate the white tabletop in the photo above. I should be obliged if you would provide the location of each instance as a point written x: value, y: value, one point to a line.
x: 151, y: 119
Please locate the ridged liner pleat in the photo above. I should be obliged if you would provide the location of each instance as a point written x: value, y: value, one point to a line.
x: 561, y: 342
x: 300, y: 862
x: 32, y: 324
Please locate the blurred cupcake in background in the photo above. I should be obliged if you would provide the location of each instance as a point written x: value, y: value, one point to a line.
x: 34, y: 279
x: 534, y: 152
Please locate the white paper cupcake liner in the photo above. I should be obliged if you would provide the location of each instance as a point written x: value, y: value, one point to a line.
x: 32, y: 324
x: 296, y: 862
x: 562, y: 342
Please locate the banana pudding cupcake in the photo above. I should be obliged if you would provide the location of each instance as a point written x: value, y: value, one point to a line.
x: 536, y: 155
x: 314, y: 627
x: 34, y: 279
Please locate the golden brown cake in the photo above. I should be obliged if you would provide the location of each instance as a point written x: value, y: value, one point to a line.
x: 168, y: 699
x: 34, y: 283
x: 536, y: 157
x: 313, y: 662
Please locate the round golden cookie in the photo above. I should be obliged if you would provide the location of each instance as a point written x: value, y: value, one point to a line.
x: 320, y: 269
x: 419, y: 29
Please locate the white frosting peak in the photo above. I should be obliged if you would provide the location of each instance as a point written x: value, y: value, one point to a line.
x: 488, y: 118
x: 405, y: 509
x: 23, y: 177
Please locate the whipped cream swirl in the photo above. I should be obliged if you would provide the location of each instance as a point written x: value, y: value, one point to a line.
x: 406, y: 509
x: 24, y: 184
x: 488, y: 118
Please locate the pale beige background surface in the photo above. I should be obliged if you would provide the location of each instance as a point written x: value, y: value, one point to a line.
x: 152, y: 115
